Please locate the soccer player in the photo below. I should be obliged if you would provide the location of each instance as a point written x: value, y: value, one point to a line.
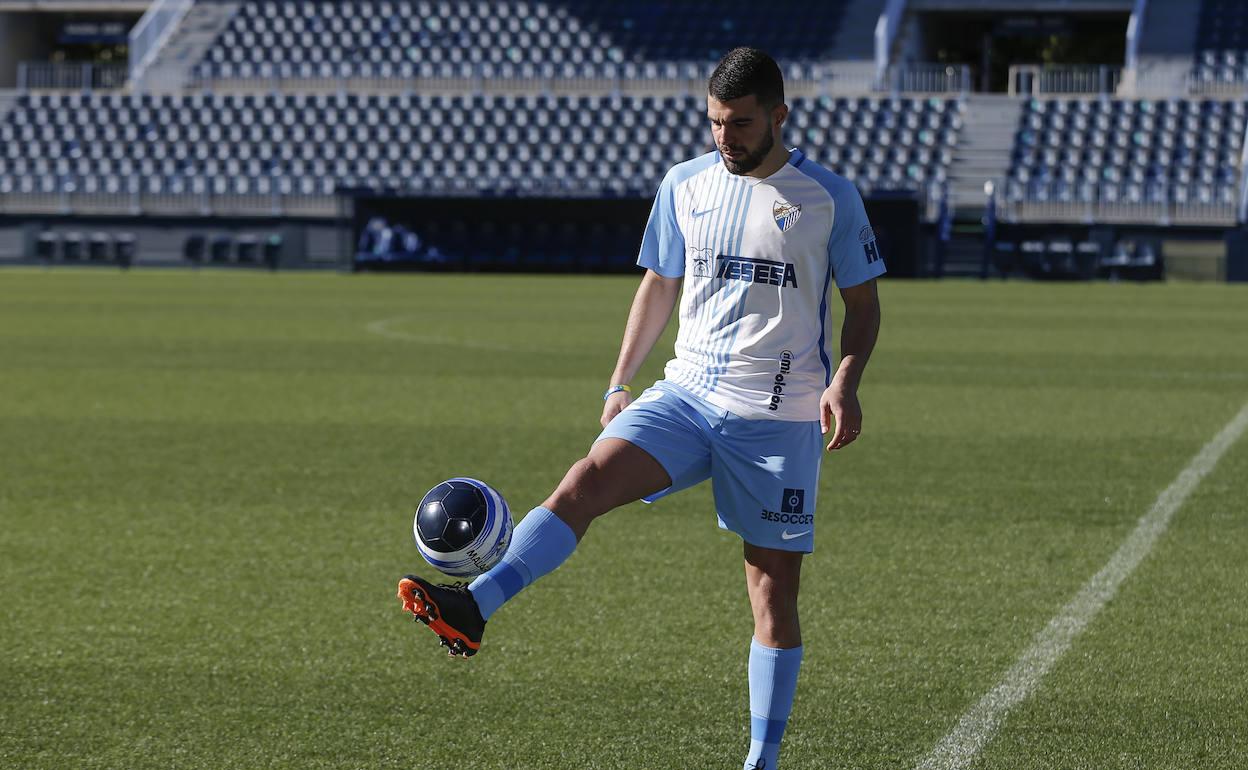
x: 756, y: 234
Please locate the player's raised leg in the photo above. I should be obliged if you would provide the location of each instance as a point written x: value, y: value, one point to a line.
x: 614, y: 473
x: 772, y: 578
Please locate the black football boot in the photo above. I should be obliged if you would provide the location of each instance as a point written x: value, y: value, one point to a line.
x: 448, y: 610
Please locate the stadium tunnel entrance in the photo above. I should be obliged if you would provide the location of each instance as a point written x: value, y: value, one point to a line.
x: 989, y: 43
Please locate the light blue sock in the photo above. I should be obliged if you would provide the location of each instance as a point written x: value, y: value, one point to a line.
x: 773, y: 681
x: 540, y: 543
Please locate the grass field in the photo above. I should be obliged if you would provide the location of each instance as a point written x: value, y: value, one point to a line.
x: 206, y: 483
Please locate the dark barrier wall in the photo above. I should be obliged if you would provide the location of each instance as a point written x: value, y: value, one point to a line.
x: 490, y: 234
x: 1237, y: 255
x: 551, y: 234
x: 895, y: 219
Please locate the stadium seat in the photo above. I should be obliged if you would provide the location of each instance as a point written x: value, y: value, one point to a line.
x: 99, y: 247
x: 46, y: 245
x: 71, y: 246
x: 1062, y: 151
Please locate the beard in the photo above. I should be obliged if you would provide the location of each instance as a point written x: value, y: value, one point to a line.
x: 751, y: 159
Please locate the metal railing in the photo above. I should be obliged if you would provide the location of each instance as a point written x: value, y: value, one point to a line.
x: 153, y: 29
x: 138, y: 203
x: 1225, y: 88
x: 1102, y: 203
x: 927, y: 78
x: 133, y: 201
x: 474, y: 80
x: 1033, y: 79
x: 76, y: 76
x: 819, y: 80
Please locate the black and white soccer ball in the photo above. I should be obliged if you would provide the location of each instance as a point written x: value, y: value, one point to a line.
x: 462, y: 527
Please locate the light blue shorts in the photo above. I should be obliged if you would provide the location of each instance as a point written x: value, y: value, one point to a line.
x: 764, y: 473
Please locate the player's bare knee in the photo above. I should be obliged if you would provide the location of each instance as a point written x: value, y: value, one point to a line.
x: 776, y: 621
x: 778, y: 635
x: 583, y: 495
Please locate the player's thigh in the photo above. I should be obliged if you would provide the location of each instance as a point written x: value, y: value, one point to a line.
x: 765, y: 474
x: 669, y: 430
x: 614, y: 473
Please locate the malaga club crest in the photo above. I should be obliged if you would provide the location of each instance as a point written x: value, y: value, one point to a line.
x: 701, y: 262
x: 786, y: 214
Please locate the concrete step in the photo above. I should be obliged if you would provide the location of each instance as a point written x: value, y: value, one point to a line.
x: 981, y: 157
x: 186, y: 47
x: 970, y: 152
x: 983, y: 151
x: 983, y: 170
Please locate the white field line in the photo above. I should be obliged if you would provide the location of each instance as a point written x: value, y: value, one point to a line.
x: 1028, y: 371
x: 977, y: 726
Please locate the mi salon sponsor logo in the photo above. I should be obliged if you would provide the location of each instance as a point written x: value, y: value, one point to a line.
x: 781, y: 380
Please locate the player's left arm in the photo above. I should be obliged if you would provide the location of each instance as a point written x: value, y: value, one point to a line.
x: 839, y: 405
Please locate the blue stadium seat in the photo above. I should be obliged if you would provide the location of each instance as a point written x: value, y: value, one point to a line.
x: 1158, y: 149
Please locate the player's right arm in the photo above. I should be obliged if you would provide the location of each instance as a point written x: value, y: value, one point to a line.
x: 663, y: 256
x: 648, y: 317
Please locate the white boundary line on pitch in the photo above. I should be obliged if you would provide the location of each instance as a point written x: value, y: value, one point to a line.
x: 978, y: 725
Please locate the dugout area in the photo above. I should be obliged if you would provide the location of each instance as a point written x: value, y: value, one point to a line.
x: 395, y: 232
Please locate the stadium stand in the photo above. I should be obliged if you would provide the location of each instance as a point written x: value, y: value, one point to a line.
x: 311, y: 144
x: 573, y: 39
x: 1221, y: 43
x: 243, y: 110
x: 1175, y: 151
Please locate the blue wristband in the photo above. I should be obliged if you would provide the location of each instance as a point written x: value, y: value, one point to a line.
x: 611, y: 391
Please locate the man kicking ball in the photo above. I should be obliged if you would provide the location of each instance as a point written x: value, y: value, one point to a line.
x: 757, y: 234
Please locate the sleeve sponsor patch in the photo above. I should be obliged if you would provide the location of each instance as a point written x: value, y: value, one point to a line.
x: 866, y: 236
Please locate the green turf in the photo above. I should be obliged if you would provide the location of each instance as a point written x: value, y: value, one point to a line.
x: 206, y: 482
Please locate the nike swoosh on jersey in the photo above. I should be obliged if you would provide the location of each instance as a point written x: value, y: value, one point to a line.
x: 786, y: 535
x: 697, y: 214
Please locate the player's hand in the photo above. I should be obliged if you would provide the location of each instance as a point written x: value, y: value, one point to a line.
x: 615, y: 404
x: 839, y: 409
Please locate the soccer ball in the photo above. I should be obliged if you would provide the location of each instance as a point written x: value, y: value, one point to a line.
x: 462, y: 527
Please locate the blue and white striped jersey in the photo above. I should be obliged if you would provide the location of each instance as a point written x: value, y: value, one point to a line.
x: 758, y: 257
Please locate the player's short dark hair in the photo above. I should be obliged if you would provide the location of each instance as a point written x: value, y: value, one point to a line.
x: 744, y: 71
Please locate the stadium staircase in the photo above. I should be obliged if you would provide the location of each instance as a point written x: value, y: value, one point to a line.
x: 983, y: 151
x: 982, y: 154
x: 1165, y: 52
x: 171, y: 69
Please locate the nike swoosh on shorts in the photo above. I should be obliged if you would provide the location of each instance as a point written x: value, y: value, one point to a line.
x: 786, y: 535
